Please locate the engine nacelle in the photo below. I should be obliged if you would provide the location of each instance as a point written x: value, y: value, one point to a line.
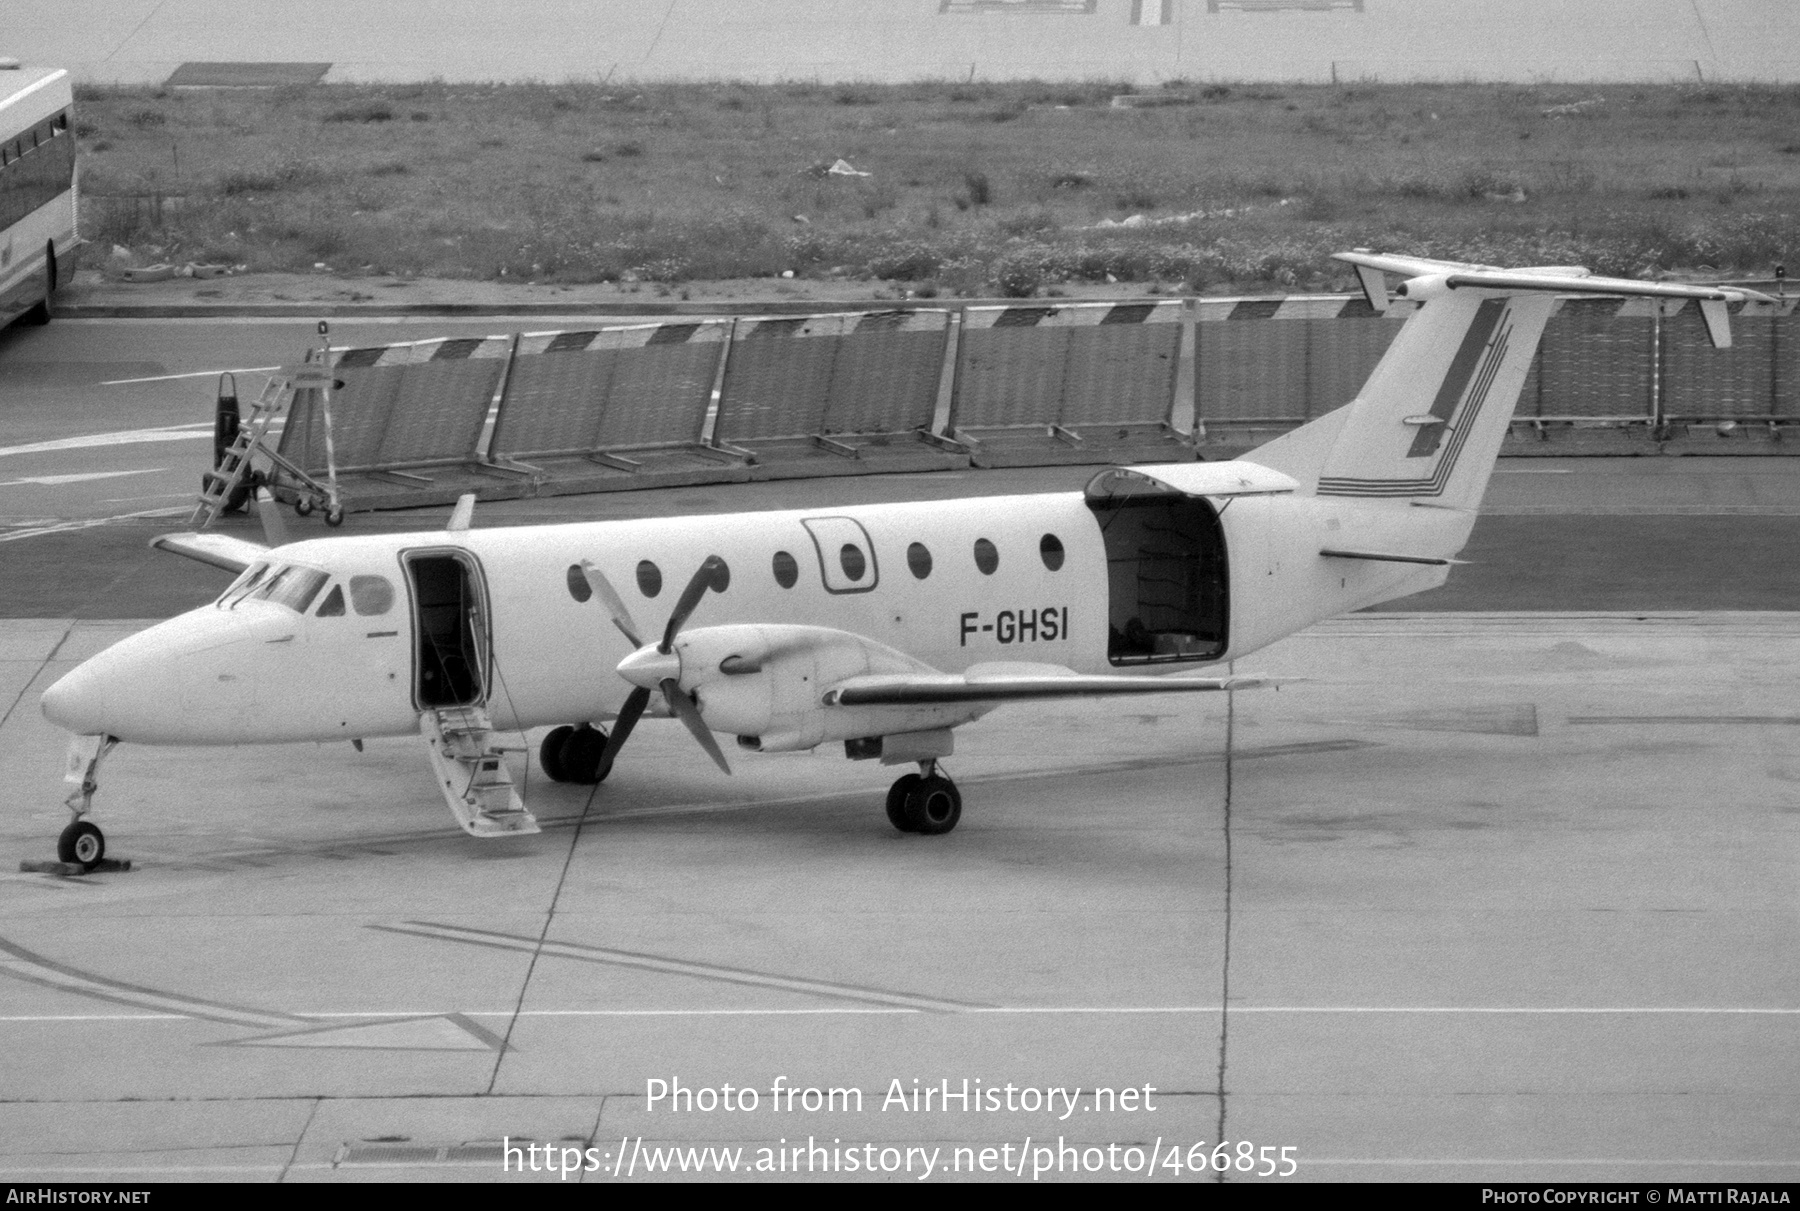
x: 769, y: 682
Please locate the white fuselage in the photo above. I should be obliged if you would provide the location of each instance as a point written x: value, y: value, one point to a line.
x: 251, y: 670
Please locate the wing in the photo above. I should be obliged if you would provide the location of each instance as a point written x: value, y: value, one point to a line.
x: 219, y: 550
x: 1009, y: 682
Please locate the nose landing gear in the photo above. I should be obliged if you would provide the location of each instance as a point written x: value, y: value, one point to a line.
x: 927, y: 802
x: 81, y: 848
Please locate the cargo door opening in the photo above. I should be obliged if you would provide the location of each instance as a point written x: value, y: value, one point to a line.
x: 449, y: 631
x: 1167, y: 597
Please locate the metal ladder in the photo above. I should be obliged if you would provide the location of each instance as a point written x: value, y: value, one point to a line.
x: 234, y: 466
x: 472, y: 774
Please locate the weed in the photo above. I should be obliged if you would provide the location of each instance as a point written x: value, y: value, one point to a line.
x: 391, y: 168
x: 419, y: 115
x: 981, y: 193
x: 628, y: 148
x: 145, y: 119
x: 593, y: 157
x: 361, y: 113
x: 1071, y: 180
x: 86, y: 130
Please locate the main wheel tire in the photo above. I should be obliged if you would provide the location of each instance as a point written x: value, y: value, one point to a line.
x: 550, y: 753
x: 82, y: 843
x: 933, y: 806
x: 303, y: 506
x: 584, y: 755
x: 896, y: 802
x: 40, y: 314
x: 334, y: 517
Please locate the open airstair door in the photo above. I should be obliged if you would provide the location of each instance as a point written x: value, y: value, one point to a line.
x: 450, y: 631
x: 1168, y: 577
x: 451, y: 663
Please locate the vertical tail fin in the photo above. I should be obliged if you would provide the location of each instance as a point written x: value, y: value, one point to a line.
x: 1428, y: 424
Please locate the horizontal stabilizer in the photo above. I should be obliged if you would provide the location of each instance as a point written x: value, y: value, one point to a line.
x: 1384, y: 557
x: 219, y: 550
x: 996, y: 683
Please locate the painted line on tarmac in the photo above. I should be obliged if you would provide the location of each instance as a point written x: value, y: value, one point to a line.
x: 165, y: 378
x: 79, y: 477
x: 62, y: 527
x: 637, y: 960
x: 122, y: 437
x: 1003, y: 1010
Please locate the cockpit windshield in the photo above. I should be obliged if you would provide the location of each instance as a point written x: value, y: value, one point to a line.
x: 247, y: 580
x: 292, y: 586
x: 288, y: 585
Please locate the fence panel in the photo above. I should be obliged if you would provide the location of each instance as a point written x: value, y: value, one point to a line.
x: 1082, y: 382
x: 1315, y: 359
x: 407, y: 405
x: 835, y: 394
x: 1754, y: 379
x: 635, y: 387
x: 1593, y: 363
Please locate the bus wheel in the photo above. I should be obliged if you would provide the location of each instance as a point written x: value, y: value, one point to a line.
x: 40, y: 314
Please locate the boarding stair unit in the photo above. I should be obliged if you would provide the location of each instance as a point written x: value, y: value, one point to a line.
x: 236, y: 470
x: 471, y: 772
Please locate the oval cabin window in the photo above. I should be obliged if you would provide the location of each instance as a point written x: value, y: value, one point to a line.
x: 986, y: 557
x: 919, y: 560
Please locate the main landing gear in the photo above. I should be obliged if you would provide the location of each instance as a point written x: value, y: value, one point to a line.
x: 579, y: 754
x: 926, y: 802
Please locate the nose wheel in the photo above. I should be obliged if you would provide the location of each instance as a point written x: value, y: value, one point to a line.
x: 926, y: 803
x: 82, y: 846
x: 82, y: 843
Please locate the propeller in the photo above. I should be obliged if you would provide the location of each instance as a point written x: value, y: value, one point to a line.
x: 658, y: 667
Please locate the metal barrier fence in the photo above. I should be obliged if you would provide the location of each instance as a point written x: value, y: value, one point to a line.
x: 714, y: 400
x: 1080, y: 382
x: 613, y: 407
x: 836, y: 394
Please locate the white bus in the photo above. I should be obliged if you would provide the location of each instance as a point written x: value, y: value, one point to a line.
x: 37, y: 191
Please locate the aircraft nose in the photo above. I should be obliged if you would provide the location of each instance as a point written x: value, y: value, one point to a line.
x: 76, y: 702
x: 649, y: 668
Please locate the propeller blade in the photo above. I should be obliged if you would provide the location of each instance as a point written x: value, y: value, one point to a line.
x: 683, y: 708
x: 634, y: 706
x: 709, y: 575
x: 614, y: 604
x: 273, y: 528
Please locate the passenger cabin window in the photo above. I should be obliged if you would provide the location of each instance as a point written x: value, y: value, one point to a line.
x: 850, y: 556
x: 918, y: 558
x: 787, y: 570
x: 649, y: 578
x: 579, y: 588
x: 333, y: 605
x: 370, y: 595
x: 986, y: 557
x: 1051, y: 549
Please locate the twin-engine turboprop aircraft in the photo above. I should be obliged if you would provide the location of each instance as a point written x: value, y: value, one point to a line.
x: 884, y: 626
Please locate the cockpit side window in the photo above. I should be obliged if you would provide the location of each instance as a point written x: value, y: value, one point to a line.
x: 371, y: 594
x: 333, y: 606
x: 293, y: 587
x: 247, y: 580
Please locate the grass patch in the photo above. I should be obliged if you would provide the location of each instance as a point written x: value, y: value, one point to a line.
x: 974, y: 187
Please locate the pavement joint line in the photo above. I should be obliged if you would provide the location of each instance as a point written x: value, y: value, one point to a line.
x: 991, y: 1010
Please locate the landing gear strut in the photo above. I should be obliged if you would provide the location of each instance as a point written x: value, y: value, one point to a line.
x: 926, y: 802
x: 82, y: 843
x: 576, y: 754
